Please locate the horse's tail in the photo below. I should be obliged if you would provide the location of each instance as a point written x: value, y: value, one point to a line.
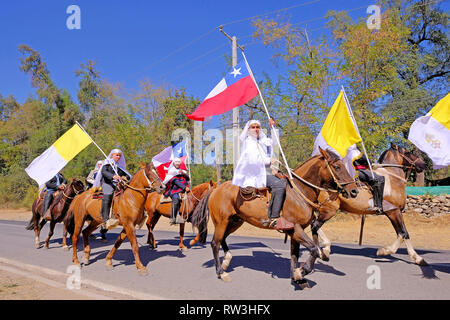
x: 200, y: 217
x: 30, y: 225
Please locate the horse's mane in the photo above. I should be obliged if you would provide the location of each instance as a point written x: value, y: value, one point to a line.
x: 333, y: 156
x: 383, y: 155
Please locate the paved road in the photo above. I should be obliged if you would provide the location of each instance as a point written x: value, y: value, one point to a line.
x: 259, y: 269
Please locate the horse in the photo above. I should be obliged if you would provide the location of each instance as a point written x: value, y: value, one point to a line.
x: 58, y: 210
x: 228, y: 210
x: 155, y: 209
x: 392, y: 162
x: 128, y: 208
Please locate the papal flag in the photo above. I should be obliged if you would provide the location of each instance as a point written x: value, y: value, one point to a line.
x: 431, y: 133
x: 49, y: 163
x: 339, y: 133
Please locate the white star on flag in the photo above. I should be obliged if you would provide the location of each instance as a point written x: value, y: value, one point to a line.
x: 236, y: 72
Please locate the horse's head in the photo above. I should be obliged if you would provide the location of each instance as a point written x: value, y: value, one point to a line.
x: 153, y: 178
x: 333, y: 174
x: 408, y: 159
x: 77, y: 186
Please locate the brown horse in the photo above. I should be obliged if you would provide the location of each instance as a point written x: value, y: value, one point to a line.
x: 392, y: 162
x: 128, y: 208
x: 58, y: 210
x: 155, y: 210
x: 229, y: 211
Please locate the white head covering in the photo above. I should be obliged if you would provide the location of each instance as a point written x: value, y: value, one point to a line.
x: 121, y: 164
x: 255, y: 156
x: 98, y: 162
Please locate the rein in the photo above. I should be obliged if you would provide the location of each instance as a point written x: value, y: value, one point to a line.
x: 150, y: 187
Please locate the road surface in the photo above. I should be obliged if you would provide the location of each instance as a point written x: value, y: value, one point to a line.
x: 259, y: 269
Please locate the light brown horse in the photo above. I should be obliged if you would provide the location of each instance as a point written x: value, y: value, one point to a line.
x: 392, y: 161
x: 229, y: 211
x: 58, y: 210
x: 128, y: 207
x: 155, y: 210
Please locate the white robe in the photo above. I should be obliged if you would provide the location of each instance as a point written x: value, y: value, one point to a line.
x: 254, y: 160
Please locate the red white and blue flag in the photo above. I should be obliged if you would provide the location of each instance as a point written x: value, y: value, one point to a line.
x: 237, y: 88
x: 163, y: 160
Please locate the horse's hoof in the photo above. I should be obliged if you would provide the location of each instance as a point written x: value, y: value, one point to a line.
x: 383, y: 252
x: 142, y: 272
x: 184, y: 249
x: 421, y: 262
x: 109, y: 267
x: 303, y: 284
x: 298, y: 275
x: 192, y: 242
x: 46, y: 247
x: 225, y: 277
x: 65, y: 248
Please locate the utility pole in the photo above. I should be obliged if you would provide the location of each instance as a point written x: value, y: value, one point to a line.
x: 236, y: 144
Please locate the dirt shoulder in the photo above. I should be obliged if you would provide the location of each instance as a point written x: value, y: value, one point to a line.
x: 425, y: 232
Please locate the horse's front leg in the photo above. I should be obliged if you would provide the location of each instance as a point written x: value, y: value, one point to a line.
x: 396, y: 218
x: 324, y: 253
x: 87, y: 247
x: 295, y: 254
x: 131, y: 234
x: 50, y: 234
x: 181, y: 244
x: 151, y: 223
x: 301, y: 237
x: 64, y: 238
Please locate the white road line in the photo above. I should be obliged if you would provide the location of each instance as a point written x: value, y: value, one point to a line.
x: 53, y: 284
x: 103, y: 286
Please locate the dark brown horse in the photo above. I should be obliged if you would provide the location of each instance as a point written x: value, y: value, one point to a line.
x: 128, y: 208
x: 392, y: 162
x: 58, y: 210
x: 155, y: 210
x: 229, y: 211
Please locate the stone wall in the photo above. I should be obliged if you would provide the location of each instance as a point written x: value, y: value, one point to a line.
x: 430, y: 206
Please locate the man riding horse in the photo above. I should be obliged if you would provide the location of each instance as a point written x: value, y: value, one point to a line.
x: 58, y: 182
x: 112, y: 171
x: 176, y: 181
x: 375, y: 181
x: 256, y: 168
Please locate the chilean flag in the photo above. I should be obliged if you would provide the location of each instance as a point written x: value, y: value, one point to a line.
x: 232, y: 91
x: 163, y: 160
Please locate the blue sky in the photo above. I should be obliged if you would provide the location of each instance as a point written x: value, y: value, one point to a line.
x: 132, y: 40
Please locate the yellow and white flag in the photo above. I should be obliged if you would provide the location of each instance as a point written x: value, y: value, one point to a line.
x: 49, y: 163
x: 340, y: 134
x: 431, y: 133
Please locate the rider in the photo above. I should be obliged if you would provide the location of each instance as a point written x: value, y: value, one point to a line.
x: 176, y: 181
x: 91, y: 177
x: 376, y: 182
x: 58, y: 182
x: 256, y: 168
x: 112, y: 171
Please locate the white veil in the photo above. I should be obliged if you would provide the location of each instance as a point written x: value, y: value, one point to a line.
x: 121, y: 164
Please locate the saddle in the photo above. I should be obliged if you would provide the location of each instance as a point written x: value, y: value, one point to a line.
x: 250, y: 193
x: 97, y: 193
x: 164, y: 199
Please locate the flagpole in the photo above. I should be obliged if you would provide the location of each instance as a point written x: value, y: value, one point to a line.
x: 349, y: 108
x: 106, y: 157
x: 268, y: 115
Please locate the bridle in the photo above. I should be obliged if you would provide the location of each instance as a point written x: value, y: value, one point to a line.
x: 77, y: 192
x: 151, y: 184
x: 340, y: 185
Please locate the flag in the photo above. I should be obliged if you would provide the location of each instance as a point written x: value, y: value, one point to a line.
x: 431, y: 133
x: 235, y: 89
x: 49, y: 163
x: 163, y: 160
x: 339, y: 134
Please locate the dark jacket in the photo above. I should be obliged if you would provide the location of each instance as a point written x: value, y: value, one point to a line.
x: 176, y: 185
x: 361, y: 163
x: 108, y: 174
x: 52, y: 183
